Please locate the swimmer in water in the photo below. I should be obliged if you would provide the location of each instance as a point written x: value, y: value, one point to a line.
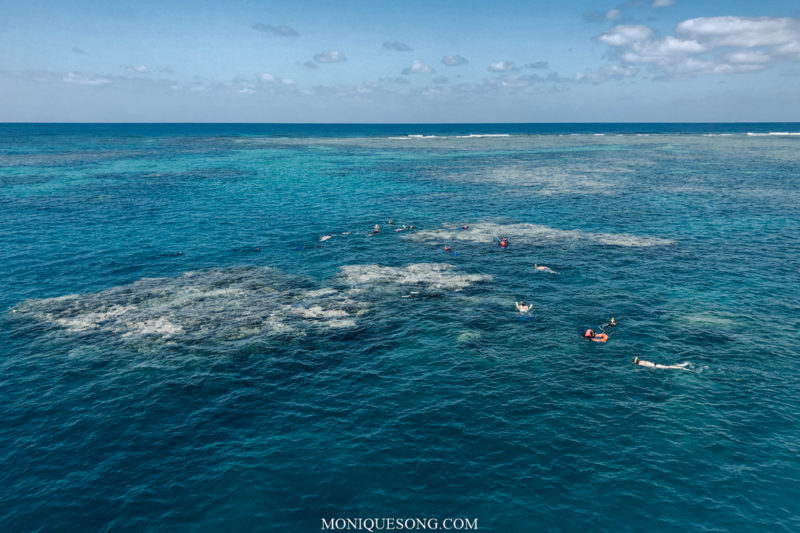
x: 376, y: 229
x: 611, y: 323
x: 325, y: 238
x: 503, y: 242
x: 523, y: 308
x: 447, y: 249
x: 390, y: 221
x: 648, y: 364
x: 590, y: 335
x: 542, y: 268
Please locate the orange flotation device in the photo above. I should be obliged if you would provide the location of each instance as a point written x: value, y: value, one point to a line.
x: 600, y: 338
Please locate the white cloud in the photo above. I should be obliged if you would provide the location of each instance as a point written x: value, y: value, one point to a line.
x: 741, y: 31
x: 275, y: 80
x: 790, y: 48
x: 613, y: 14
x: 501, y: 66
x: 418, y: 67
x: 330, y: 56
x: 747, y: 56
x: 453, y: 61
x: 706, y: 45
x: 84, y: 79
x: 626, y: 35
x: 662, y: 3
x: 137, y: 68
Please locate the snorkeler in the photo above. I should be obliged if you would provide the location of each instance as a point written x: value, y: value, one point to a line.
x: 542, y: 268
x: 590, y: 335
x: 648, y: 364
x: 523, y: 308
x: 611, y: 324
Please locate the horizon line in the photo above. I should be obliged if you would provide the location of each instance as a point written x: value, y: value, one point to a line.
x: 395, y: 123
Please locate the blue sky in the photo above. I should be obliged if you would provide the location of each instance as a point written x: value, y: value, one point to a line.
x: 411, y: 61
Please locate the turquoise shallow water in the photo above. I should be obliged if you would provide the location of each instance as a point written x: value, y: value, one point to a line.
x: 180, y: 352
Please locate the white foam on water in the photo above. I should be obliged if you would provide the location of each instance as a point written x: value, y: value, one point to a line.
x: 427, y: 275
x: 488, y: 232
x: 407, y: 137
x: 482, y: 135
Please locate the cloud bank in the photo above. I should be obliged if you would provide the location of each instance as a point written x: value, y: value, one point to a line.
x: 706, y: 45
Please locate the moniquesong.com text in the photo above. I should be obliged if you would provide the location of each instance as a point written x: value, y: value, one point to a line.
x: 399, y: 524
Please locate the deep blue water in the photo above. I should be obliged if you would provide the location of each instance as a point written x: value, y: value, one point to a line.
x: 179, y: 351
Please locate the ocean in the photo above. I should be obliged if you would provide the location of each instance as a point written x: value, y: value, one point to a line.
x: 200, y: 329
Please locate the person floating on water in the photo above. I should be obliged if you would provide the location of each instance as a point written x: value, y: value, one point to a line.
x: 325, y: 238
x: 503, y: 242
x: 464, y: 227
x: 596, y: 337
x: 524, y: 310
x: 447, y: 249
x: 648, y: 364
x: 542, y: 268
x: 611, y: 324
